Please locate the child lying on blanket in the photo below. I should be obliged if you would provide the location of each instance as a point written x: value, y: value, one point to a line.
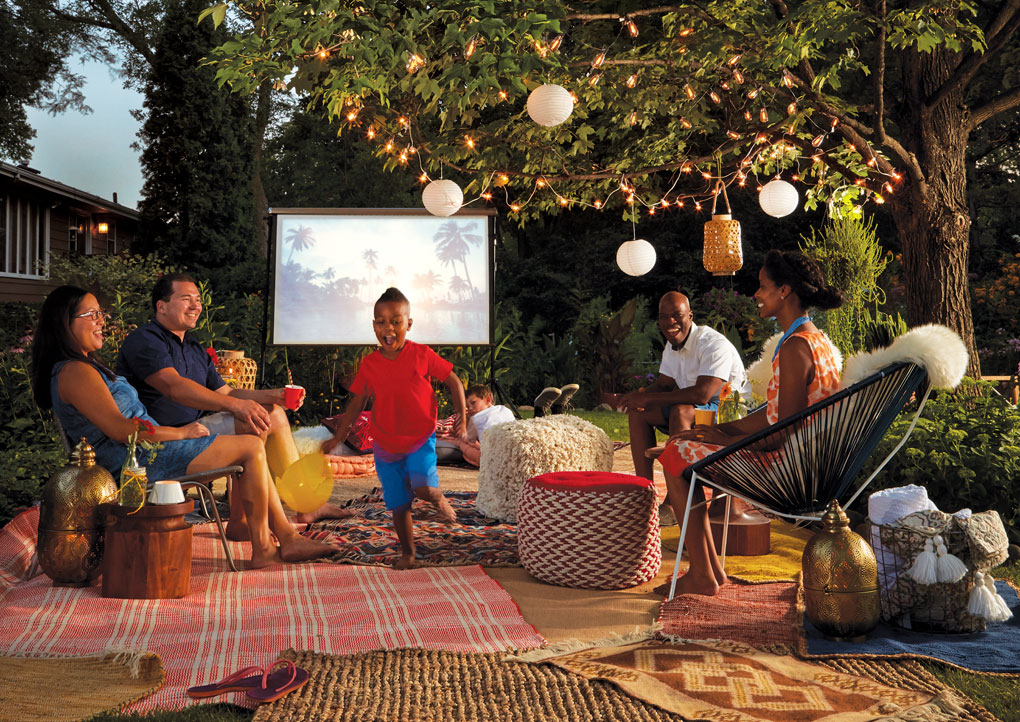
x: 481, y: 415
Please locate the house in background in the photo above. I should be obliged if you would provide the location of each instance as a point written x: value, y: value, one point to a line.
x: 40, y: 217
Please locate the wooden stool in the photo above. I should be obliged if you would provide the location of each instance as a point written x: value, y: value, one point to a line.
x: 148, y: 552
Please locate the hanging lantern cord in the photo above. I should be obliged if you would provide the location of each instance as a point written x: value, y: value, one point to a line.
x: 720, y: 186
x: 633, y: 222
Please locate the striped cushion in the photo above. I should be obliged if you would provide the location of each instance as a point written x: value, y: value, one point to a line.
x: 589, y: 529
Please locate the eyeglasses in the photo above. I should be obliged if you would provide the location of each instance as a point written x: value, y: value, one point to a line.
x: 95, y: 314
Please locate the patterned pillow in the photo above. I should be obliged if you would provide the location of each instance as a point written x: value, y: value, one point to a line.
x: 445, y: 427
x: 360, y: 437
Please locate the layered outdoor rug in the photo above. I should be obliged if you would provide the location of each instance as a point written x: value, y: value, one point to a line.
x: 769, y: 615
x: 781, y: 564
x: 994, y: 651
x: 232, y: 620
x: 730, y: 681
x: 428, y: 686
x: 368, y: 538
x: 75, y: 688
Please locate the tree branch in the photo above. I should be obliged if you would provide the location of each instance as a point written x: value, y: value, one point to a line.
x: 999, y: 31
x: 994, y: 107
x: 135, y: 39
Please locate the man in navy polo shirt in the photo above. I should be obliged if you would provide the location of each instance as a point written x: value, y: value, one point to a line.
x: 177, y: 381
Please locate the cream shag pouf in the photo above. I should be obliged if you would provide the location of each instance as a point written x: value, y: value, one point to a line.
x: 589, y: 529
x: 514, y: 452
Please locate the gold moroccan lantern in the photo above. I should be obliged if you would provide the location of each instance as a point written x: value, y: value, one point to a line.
x: 722, y: 254
x: 71, y: 520
x: 840, y: 580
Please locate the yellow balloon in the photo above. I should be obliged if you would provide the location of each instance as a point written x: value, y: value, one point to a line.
x: 307, y: 483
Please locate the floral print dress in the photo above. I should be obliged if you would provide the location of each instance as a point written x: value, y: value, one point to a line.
x: 680, y: 454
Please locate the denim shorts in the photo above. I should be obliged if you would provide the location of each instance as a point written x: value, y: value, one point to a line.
x: 400, y: 474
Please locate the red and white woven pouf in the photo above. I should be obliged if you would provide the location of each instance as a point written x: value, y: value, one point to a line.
x: 589, y: 529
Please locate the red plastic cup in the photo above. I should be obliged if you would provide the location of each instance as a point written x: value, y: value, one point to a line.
x: 292, y: 396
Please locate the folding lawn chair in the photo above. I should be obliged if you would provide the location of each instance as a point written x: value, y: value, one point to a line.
x: 794, y: 468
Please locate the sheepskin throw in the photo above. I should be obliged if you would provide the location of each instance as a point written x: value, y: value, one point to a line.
x: 344, y: 462
x: 514, y: 452
x: 589, y: 529
x: 937, y: 349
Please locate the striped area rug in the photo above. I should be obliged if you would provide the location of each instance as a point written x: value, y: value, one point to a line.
x: 232, y: 620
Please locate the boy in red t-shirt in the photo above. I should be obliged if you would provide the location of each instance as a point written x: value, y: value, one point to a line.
x: 403, y: 416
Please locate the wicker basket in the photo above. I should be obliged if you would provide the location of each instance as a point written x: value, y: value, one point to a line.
x: 939, y: 607
x: 237, y: 370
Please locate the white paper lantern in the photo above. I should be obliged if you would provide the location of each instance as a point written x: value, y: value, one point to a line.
x: 778, y: 198
x: 442, y: 198
x: 635, y: 258
x: 550, y: 105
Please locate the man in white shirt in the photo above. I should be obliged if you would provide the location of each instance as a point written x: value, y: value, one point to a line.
x: 481, y: 415
x: 696, y: 363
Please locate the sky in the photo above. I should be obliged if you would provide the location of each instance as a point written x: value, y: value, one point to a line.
x: 92, y: 152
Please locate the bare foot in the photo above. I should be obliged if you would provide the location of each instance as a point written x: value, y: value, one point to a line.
x: 261, y: 561
x: 697, y: 584
x: 326, y: 511
x: 237, y: 531
x: 405, y: 561
x: 301, y: 549
x: 446, y: 512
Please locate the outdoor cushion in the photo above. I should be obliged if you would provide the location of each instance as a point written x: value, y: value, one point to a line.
x: 514, y: 452
x: 589, y: 529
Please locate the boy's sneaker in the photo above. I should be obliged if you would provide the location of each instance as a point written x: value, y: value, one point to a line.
x: 544, y: 401
x: 562, y: 403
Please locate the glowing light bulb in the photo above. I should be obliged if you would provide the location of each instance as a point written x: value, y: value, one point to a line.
x: 563, y: 201
x: 632, y: 28
x: 470, y: 49
x: 514, y: 207
x: 685, y: 32
x: 632, y: 81
x: 540, y: 183
x: 555, y: 44
x: 423, y: 178
x: 502, y: 95
x: 738, y: 76
x: 747, y: 115
x: 469, y: 141
x: 715, y: 97
x: 599, y: 59
x: 633, y: 118
x: 751, y: 95
x: 734, y: 60
x: 594, y: 80
x: 732, y: 134
x: 685, y: 123
x: 763, y: 115
x: 597, y: 204
x: 791, y: 109
x: 370, y: 133
x: 817, y: 140
x: 689, y: 91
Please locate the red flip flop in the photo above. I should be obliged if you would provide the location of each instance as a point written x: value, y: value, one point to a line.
x: 240, y: 681
x: 278, y: 684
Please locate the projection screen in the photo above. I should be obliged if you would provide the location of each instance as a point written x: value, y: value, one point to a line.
x: 330, y: 266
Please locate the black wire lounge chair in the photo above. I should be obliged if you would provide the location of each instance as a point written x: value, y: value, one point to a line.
x: 794, y: 468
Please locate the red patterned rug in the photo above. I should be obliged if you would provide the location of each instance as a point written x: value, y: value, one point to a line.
x: 369, y: 539
x: 232, y: 620
x: 769, y: 615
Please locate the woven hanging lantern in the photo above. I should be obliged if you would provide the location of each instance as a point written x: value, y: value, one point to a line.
x: 550, y: 105
x: 722, y: 254
x: 442, y: 198
x: 778, y: 198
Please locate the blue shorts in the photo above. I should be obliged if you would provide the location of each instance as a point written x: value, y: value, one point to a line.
x: 400, y: 474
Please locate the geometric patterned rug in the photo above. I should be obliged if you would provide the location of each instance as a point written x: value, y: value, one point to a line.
x: 736, y: 682
x: 368, y: 539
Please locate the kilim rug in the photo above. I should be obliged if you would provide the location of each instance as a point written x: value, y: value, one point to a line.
x: 762, y: 615
x: 232, y: 620
x: 74, y: 688
x: 369, y: 539
x: 781, y: 564
x: 717, y: 680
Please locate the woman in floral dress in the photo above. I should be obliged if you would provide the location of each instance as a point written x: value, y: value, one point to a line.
x: 789, y: 284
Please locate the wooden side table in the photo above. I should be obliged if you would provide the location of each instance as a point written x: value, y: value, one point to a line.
x: 148, y: 553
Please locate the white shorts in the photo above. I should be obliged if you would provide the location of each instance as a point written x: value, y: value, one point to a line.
x: 221, y: 423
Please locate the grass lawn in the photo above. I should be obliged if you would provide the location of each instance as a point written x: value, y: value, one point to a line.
x: 1001, y: 695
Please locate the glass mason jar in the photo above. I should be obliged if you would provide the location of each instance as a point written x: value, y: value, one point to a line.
x: 133, y: 481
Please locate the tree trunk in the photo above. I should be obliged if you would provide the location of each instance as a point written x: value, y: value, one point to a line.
x: 263, y: 101
x: 932, y: 215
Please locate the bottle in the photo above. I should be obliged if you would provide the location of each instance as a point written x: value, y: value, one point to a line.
x: 133, y: 481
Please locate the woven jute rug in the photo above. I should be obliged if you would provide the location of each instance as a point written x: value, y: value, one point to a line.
x: 429, y: 686
x: 75, y: 688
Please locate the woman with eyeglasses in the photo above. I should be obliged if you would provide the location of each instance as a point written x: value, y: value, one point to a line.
x: 90, y: 400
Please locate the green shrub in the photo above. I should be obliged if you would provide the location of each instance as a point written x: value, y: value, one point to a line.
x: 736, y: 317
x: 965, y: 451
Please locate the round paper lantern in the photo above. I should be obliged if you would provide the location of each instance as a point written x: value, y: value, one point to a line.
x: 778, y: 198
x: 635, y: 258
x: 442, y: 198
x: 550, y: 105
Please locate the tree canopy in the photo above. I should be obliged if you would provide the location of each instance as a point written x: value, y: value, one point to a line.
x: 853, y: 101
